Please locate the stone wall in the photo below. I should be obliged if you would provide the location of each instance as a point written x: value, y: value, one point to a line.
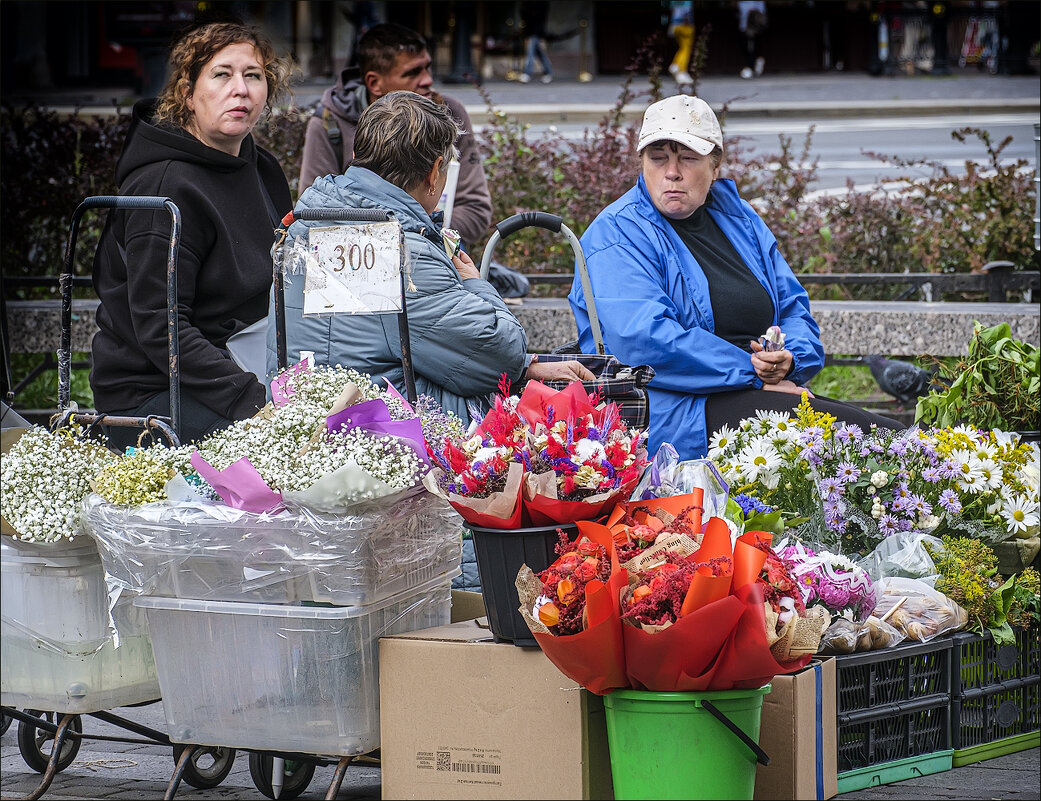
x: 895, y: 328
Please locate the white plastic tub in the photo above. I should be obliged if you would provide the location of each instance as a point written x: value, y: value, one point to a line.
x: 57, y: 651
x: 281, y: 677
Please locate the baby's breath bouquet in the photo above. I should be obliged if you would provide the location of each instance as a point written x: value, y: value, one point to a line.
x: 848, y: 489
x: 331, y: 438
x: 44, y: 477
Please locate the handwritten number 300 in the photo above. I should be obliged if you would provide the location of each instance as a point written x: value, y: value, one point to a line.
x: 357, y: 257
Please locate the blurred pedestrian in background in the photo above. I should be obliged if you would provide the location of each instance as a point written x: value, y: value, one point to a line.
x: 752, y: 22
x: 393, y: 58
x: 681, y: 28
x: 534, y: 15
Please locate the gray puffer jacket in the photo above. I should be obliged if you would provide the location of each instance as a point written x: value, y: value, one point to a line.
x: 463, y: 337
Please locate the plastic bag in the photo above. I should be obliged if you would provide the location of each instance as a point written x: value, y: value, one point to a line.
x: 917, y: 610
x: 845, y: 636
x: 666, y: 475
x: 903, y: 555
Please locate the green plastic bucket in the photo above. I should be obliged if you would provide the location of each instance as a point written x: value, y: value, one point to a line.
x: 671, y: 745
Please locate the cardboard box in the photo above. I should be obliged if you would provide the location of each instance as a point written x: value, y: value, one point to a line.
x: 464, y: 717
x: 467, y: 606
x: 798, y: 733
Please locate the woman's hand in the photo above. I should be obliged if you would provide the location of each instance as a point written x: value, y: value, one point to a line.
x: 772, y: 366
x: 787, y: 386
x: 557, y: 371
x: 464, y: 265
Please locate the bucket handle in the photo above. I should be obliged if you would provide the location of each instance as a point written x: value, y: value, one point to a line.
x: 760, y: 755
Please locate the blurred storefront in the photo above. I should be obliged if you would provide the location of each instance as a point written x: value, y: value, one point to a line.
x: 57, y: 44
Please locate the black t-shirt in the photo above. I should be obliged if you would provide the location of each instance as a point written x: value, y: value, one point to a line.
x: 741, y: 306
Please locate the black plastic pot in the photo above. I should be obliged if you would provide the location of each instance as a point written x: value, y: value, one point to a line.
x: 500, y: 554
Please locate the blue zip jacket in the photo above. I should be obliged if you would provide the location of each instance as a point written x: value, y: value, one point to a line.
x: 653, y: 302
x: 462, y: 335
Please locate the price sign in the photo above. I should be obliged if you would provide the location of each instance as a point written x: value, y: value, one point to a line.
x: 353, y: 269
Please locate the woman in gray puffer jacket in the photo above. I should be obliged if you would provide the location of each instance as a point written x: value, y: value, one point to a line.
x: 463, y: 338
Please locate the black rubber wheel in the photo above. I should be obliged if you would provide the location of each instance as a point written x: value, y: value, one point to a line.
x: 208, y: 765
x: 36, y: 744
x: 5, y: 723
x: 296, y: 777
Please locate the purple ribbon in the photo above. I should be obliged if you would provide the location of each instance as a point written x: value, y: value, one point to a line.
x: 240, y: 486
x: 374, y: 417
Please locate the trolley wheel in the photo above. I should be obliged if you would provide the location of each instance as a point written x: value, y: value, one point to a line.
x: 5, y: 723
x: 208, y: 766
x: 296, y: 777
x: 36, y: 744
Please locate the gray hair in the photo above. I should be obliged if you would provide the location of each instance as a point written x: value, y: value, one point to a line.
x: 401, y: 135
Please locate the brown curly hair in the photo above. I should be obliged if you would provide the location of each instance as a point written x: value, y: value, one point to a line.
x: 194, y: 51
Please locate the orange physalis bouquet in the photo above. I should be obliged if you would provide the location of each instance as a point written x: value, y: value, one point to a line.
x: 546, y: 457
x: 571, y: 608
x: 695, y: 610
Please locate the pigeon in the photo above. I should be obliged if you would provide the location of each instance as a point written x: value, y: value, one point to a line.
x: 902, y: 380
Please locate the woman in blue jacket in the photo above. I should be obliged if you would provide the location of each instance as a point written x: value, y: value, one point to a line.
x: 687, y: 278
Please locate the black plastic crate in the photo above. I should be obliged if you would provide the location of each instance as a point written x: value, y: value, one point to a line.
x: 895, y: 732
x: 979, y: 662
x: 897, y: 675
x: 983, y: 715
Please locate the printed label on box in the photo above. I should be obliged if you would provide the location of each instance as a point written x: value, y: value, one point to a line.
x: 467, y: 764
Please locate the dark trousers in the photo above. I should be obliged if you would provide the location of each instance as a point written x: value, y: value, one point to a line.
x: 729, y: 408
x: 197, y: 420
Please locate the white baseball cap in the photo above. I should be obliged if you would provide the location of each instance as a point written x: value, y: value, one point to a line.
x: 684, y: 119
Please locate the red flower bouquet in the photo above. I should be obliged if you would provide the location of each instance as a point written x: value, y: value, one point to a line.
x: 585, y: 641
x: 693, y: 613
x: 544, y: 458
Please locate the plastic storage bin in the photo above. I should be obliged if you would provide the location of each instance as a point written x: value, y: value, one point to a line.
x: 893, y: 705
x: 898, y: 771
x: 996, y: 693
x: 500, y: 555
x: 56, y: 647
x: 281, y: 677
x: 207, y: 551
x: 864, y: 681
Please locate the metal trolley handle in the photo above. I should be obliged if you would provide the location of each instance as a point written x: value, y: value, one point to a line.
x: 551, y: 222
x: 65, y: 282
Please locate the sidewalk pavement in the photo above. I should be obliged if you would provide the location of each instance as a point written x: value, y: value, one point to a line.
x: 566, y: 99
x: 137, y: 772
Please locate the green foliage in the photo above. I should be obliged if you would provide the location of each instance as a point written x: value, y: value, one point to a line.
x: 968, y: 575
x: 51, y: 162
x: 845, y: 382
x: 42, y: 391
x: 997, y: 386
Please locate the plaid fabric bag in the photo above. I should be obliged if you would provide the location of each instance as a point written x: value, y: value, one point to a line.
x: 626, y: 386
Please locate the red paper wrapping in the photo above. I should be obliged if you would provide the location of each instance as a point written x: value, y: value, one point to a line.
x: 722, y: 646
x: 594, y: 657
x: 543, y: 511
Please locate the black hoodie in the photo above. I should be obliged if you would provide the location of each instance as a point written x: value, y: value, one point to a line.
x: 229, y: 209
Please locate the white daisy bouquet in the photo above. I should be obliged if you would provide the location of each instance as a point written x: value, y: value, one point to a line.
x: 848, y: 489
x: 43, y: 478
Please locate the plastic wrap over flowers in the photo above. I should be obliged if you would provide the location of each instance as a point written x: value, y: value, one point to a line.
x: 831, y: 580
x: 212, y: 551
x: 666, y: 475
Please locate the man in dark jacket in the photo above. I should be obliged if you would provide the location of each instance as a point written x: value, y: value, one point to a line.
x: 393, y: 58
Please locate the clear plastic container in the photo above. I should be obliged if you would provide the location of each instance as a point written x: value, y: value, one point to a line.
x: 300, y: 678
x: 56, y: 647
x: 214, y: 552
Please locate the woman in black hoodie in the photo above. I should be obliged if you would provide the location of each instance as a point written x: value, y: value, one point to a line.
x: 193, y: 145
